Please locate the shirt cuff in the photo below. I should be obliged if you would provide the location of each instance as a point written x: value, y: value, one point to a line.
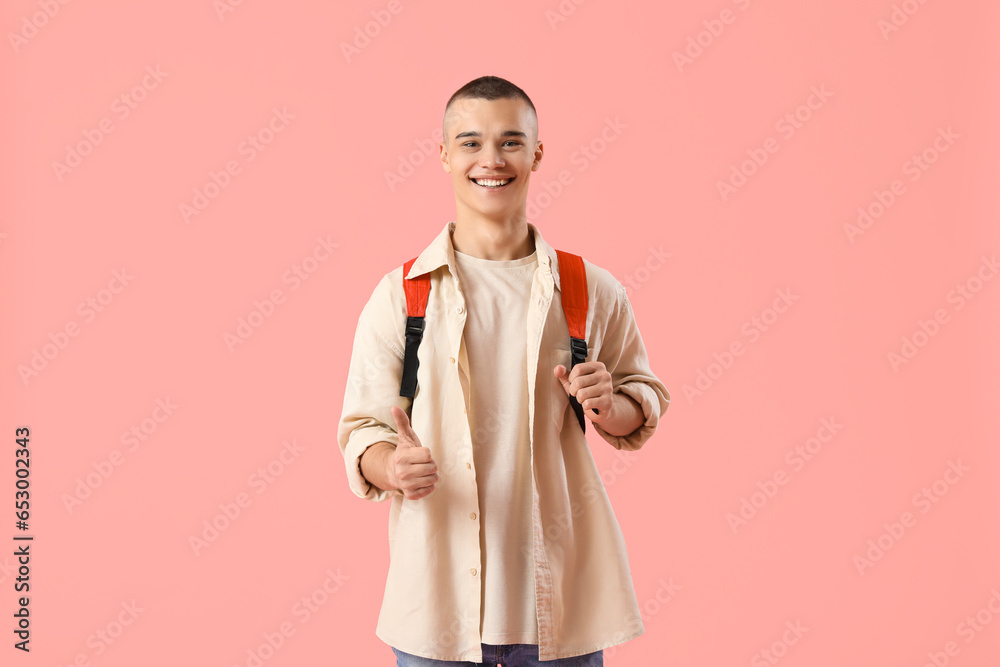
x: 360, y: 440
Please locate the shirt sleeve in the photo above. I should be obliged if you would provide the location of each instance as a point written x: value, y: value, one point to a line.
x: 372, y: 388
x: 624, y: 355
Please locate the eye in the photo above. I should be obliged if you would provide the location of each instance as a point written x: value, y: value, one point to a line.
x: 474, y: 143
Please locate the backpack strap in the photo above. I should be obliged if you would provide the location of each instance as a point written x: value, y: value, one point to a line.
x: 417, y: 289
x: 573, y: 288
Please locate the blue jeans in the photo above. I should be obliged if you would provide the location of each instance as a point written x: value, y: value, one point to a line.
x: 506, y: 655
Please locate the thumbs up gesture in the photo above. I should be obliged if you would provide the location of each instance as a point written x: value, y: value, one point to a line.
x: 411, y: 468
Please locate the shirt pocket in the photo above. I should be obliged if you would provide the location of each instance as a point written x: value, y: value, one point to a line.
x: 560, y: 409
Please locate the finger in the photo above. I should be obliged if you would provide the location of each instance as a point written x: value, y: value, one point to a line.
x: 403, y: 422
x: 419, y: 493
x: 415, y: 486
x: 563, y: 379
x: 417, y: 461
x: 422, y: 491
x: 585, y: 379
x: 587, y: 369
x: 407, y: 438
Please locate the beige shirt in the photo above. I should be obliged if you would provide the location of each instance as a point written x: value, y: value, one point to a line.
x: 584, y: 596
x: 497, y: 293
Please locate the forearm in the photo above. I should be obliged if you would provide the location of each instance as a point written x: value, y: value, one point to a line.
x: 626, y: 415
x: 375, y: 465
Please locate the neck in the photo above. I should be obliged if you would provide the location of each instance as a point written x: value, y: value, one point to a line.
x: 492, y: 239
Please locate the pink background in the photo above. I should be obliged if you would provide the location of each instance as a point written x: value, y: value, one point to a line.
x: 651, y: 191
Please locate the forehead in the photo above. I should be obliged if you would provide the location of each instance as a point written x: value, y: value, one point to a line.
x: 482, y: 115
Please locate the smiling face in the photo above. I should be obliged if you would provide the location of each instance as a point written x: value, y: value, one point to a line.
x: 490, y: 148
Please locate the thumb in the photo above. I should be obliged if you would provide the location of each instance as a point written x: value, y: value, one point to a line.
x: 563, y: 374
x: 407, y: 436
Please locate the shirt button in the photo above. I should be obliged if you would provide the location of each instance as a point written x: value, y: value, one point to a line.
x: 459, y: 310
x: 451, y: 359
x: 468, y: 465
x: 473, y: 571
x: 473, y: 516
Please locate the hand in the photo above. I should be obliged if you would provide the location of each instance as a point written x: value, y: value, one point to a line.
x: 590, y: 383
x: 411, y: 468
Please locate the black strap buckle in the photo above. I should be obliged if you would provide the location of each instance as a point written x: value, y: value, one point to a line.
x: 578, y: 350
x: 414, y: 333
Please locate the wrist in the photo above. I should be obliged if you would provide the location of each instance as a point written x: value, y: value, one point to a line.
x: 376, y: 465
x: 392, y: 484
x: 625, y: 416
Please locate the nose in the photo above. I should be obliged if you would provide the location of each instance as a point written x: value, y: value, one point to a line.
x: 490, y: 158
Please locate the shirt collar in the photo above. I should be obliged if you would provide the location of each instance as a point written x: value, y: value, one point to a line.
x: 441, y: 252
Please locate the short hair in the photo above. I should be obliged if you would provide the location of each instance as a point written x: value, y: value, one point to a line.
x: 489, y: 88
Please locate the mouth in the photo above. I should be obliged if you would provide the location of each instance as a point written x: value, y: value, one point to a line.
x: 491, y: 183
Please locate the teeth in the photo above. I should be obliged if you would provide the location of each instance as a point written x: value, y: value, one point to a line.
x: 492, y: 184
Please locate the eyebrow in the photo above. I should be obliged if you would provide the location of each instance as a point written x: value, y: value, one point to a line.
x: 505, y: 133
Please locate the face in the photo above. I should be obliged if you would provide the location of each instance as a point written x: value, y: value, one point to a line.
x: 496, y: 140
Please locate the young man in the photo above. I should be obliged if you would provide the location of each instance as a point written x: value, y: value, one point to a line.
x: 504, y: 548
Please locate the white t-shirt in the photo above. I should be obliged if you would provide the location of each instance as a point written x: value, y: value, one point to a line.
x: 497, y: 294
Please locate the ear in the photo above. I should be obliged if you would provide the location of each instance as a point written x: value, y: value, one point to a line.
x: 539, y: 150
x: 444, y: 157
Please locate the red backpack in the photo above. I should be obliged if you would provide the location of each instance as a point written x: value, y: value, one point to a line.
x: 573, y: 285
